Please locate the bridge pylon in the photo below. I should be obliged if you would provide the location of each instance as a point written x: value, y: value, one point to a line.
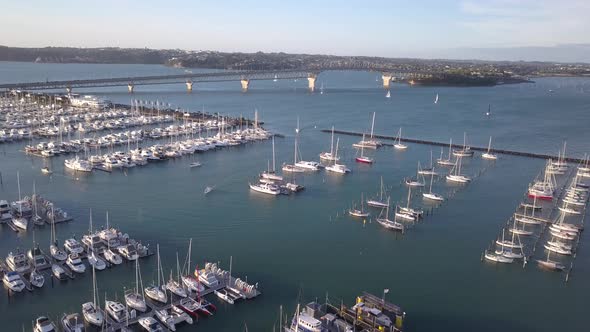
x: 386, y: 80
x: 189, y: 86
x: 311, y: 77
x: 245, y: 83
x: 130, y: 87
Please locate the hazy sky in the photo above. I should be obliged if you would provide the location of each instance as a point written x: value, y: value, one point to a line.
x: 393, y: 28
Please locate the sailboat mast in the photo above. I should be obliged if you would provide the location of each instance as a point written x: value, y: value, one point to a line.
x: 273, y: 154
x: 336, y: 154
x: 409, y: 194
x: 158, y: 251
x: 372, y: 125
x: 490, y: 144
x: 332, y: 144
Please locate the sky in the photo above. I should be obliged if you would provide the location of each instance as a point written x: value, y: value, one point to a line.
x: 529, y: 29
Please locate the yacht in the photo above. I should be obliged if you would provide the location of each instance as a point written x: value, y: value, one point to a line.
x: 309, y: 165
x: 224, y: 295
x: 208, y: 279
x: 112, y: 257
x: 13, y: 281
x: 5, y: 211
x: 75, y: 263
x: 265, y: 188
x: 330, y: 156
x: 17, y: 262
x: 78, y: 165
x: 129, y: 252
x: 44, y: 324
x: 150, y: 324
x: 117, y: 311
x: 20, y: 222
x: 73, y: 246
x: 36, y: 279
x: 72, y: 323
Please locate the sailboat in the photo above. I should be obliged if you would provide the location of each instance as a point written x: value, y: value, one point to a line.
x: 489, y: 112
x: 362, y: 158
x: 489, y: 155
x: 378, y: 203
x: 510, y: 243
x: 432, y: 196
x: 436, y: 99
x: 446, y: 162
x: 543, y: 189
x: 508, y: 252
x: 416, y: 183
x: 360, y: 213
x: 293, y: 168
x: 371, y: 143
x: 550, y: 264
x: 91, y: 310
x: 455, y: 174
x: 93, y: 257
x: 135, y: 298
x: 190, y: 282
x: 57, y: 254
x: 520, y: 231
x: 428, y: 170
x: 399, y: 144
x: 156, y: 292
x: 388, y: 223
x: 329, y: 156
x: 336, y: 167
x: 303, y: 164
x: 497, y: 258
x: 270, y: 174
x: 388, y: 94
x: 20, y: 221
x: 322, y: 88
x: 407, y: 213
x: 465, y: 151
x: 173, y: 285
x: 531, y: 220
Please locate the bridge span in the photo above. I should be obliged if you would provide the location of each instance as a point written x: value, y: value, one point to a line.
x: 244, y: 77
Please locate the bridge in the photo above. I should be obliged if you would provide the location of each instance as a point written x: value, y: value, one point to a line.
x: 244, y: 77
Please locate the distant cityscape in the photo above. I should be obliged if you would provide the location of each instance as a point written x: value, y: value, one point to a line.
x: 436, y: 71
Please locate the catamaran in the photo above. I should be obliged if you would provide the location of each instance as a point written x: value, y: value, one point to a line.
x: 378, y: 203
x: 336, y: 167
x: 362, y: 158
x: 455, y: 174
x: 360, y: 213
x: 399, y: 144
x: 329, y: 156
x: 387, y: 223
x: 465, y: 151
x: 371, y: 143
x: 432, y: 196
x: 489, y: 155
x: 446, y: 162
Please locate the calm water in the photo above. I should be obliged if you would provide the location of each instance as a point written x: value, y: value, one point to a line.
x: 303, y: 243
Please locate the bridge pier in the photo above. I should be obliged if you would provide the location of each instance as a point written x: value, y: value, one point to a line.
x: 245, y: 83
x: 311, y: 77
x: 130, y: 87
x: 189, y: 86
x: 386, y: 80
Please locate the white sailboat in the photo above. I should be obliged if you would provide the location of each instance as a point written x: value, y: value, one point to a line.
x: 303, y: 164
x: 488, y: 154
x: 508, y: 251
x: 388, y: 223
x: 380, y: 203
x: 432, y: 196
x: 446, y: 162
x: 531, y: 220
x: 371, y: 143
x: 57, y: 254
x: 408, y: 213
x: 399, y: 144
x: 497, y: 258
x: 388, y: 94
x: 455, y: 174
x: 360, y: 213
x: 190, y: 282
x: 91, y: 310
x: 270, y: 174
x: 465, y: 151
x: 336, y: 167
x: 436, y: 99
x: 19, y: 220
x: 174, y: 285
x: 156, y: 292
x: 428, y: 170
x: 135, y: 298
x: 293, y: 168
x: 329, y: 156
x: 418, y: 182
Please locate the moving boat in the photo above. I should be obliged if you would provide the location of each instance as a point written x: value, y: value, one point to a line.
x: 329, y: 156
x: 44, y: 324
x: 135, y: 298
x: 488, y: 154
x: 399, y: 144
x: 359, y: 213
x: 156, y: 292
x: 90, y: 310
x: 387, y: 223
x: 337, y: 168
x: 378, y: 203
x: 13, y: 281
x: 46, y: 170
x: 195, y: 164
x: 436, y: 99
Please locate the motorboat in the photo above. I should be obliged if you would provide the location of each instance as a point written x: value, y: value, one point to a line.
x: 208, y: 279
x: 117, y: 311
x: 338, y: 168
x: 433, y: 196
x: 46, y: 170
x: 37, y: 279
x: 224, y: 295
x: 166, y: 318
x: 58, y: 272
x: 72, y: 246
x: 13, y: 281
x: 44, y: 324
x: 129, y: 252
x: 72, y: 323
x: 20, y: 222
x: 78, y: 165
x: 75, y: 263
x: 309, y: 165
x: 112, y: 257
x: 17, y: 262
x: 265, y: 188
x: 5, y: 211
x: 95, y: 261
x: 150, y: 324
x: 195, y: 164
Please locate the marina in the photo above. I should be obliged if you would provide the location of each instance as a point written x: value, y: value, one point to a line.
x: 273, y: 240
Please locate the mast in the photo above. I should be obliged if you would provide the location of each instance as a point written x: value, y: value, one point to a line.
x: 409, y: 194
x: 332, y: 144
x: 273, y: 154
x: 431, y: 178
x: 363, y: 145
x: 450, y: 147
x: 188, y: 267
x: 158, y: 251
x: 177, y: 267
x: 387, y: 210
x: 93, y: 286
x: 372, y: 126
x: 490, y: 144
x: 336, y: 155
x: 381, y: 194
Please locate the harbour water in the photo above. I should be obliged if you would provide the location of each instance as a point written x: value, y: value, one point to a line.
x: 305, y: 244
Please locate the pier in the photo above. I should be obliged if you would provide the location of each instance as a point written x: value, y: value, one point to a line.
x: 458, y: 146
